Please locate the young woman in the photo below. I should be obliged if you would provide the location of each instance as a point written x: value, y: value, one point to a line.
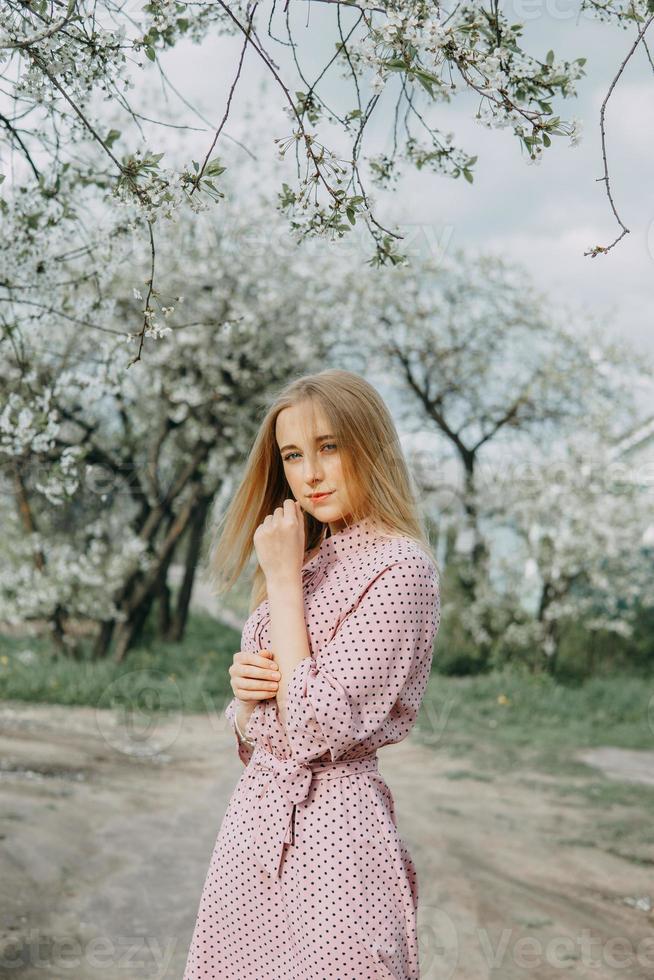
x: 309, y: 878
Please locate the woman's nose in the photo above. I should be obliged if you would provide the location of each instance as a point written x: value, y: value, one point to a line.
x: 312, y: 471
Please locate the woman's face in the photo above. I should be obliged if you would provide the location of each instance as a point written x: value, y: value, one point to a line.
x: 312, y: 464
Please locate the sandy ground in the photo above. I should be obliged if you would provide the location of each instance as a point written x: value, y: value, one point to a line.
x: 107, y: 825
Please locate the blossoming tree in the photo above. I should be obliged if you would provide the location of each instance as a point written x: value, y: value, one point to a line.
x: 61, y: 62
x: 514, y: 391
x: 580, y: 522
x: 109, y: 471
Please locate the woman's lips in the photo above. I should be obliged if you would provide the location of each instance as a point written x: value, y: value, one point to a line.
x: 322, y: 496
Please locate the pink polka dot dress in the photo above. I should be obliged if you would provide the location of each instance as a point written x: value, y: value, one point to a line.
x: 309, y: 878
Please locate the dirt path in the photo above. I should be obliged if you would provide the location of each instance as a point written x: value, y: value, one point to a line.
x: 106, y: 830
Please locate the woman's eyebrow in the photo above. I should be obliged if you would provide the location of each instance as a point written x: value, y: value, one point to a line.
x: 318, y: 439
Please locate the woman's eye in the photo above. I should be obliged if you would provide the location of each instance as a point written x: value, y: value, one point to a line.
x: 327, y: 445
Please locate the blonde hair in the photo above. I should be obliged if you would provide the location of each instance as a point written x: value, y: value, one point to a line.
x: 373, y: 465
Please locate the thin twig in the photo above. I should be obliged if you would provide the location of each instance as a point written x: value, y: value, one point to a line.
x: 146, y: 309
x: 603, y: 249
x: 229, y: 100
x: 267, y: 61
x: 14, y: 132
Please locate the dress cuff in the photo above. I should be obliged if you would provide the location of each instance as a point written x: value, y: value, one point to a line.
x: 244, y: 751
x: 318, y: 713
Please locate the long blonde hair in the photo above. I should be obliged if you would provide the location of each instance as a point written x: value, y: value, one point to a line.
x: 373, y: 465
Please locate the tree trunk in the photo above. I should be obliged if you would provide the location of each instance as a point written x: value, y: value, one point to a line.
x: 196, y: 534
x: 551, y: 662
x: 28, y: 521
x: 163, y: 607
x: 479, y: 550
x: 548, y: 594
x: 103, y: 639
x: 143, y: 592
x: 129, y: 631
x: 450, y: 542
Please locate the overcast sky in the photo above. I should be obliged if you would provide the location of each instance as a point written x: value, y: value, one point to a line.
x: 542, y: 216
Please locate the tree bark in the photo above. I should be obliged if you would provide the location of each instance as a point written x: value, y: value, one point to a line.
x: 196, y: 533
x: 144, y: 591
x: 57, y: 630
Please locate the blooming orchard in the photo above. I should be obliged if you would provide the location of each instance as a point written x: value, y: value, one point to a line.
x: 96, y: 212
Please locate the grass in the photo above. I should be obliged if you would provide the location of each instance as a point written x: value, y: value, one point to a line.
x: 508, y: 716
x: 493, y: 720
x: 191, y: 676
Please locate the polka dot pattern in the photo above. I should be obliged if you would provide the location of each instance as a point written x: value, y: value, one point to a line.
x: 309, y: 878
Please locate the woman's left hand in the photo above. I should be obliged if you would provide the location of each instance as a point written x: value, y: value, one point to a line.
x: 279, y: 542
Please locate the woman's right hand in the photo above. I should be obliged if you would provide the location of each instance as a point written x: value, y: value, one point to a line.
x: 254, y: 676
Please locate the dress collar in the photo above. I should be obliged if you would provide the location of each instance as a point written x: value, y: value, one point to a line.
x: 345, y: 542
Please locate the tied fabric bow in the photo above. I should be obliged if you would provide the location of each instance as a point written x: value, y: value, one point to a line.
x: 289, y: 783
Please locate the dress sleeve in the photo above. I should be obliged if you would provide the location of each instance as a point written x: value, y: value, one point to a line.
x: 244, y: 751
x: 368, y: 681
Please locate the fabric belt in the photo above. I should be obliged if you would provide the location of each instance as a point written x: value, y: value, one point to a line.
x: 290, y: 783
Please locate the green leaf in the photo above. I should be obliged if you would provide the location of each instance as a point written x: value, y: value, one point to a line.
x: 151, y: 53
x: 546, y: 140
x: 111, y: 137
x: 468, y: 176
x: 420, y: 73
x: 2, y: 177
x: 426, y: 84
x: 550, y: 58
x: 214, y: 167
x: 395, y: 64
